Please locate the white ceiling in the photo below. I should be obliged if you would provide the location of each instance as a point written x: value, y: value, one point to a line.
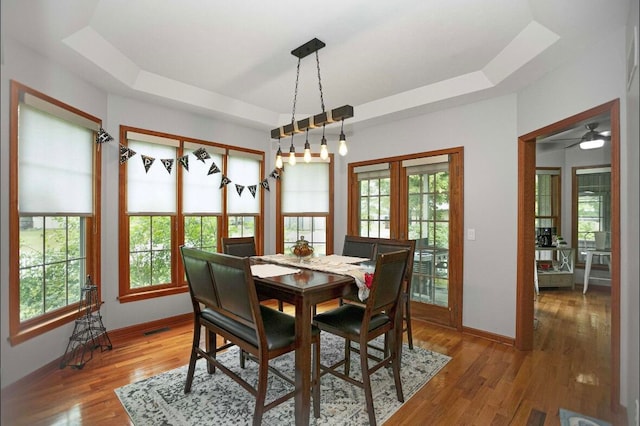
x: 388, y: 59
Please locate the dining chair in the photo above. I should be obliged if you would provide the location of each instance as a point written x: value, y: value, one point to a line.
x: 243, y: 247
x: 225, y: 303
x: 386, y: 246
x: 357, y: 246
x: 361, y: 324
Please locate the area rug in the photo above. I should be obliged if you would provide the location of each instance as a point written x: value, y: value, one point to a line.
x: 218, y: 400
x: 569, y: 418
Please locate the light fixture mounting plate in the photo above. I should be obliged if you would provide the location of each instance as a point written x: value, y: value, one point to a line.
x: 308, y: 48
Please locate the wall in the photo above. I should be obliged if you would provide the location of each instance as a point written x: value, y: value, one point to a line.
x: 488, y: 133
x: 630, y: 380
x: 576, y: 87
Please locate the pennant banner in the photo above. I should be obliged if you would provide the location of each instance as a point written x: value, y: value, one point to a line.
x: 252, y: 190
x: 213, y: 169
x: 239, y: 189
x: 103, y: 136
x: 168, y: 164
x: 148, y: 162
x: 184, y: 160
x: 125, y: 154
x: 275, y: 174
x: 225, y: 181
x: 201, y: 154
x: 265, y: 184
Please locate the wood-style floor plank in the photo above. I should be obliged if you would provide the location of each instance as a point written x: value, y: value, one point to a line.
x: 485, y: 383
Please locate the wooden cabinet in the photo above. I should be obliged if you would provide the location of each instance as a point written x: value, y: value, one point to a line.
x: 554, y: 266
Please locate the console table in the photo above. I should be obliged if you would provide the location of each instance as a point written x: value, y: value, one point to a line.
x: 559, y: 263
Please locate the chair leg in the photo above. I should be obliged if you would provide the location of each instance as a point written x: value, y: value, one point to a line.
x: 395, y: 362
x: 347, y: 356
x: 407, y: 318
x: 280, y: 306
x: 261, y: 391
x: 210, y: 341
x: 242, y: 359
x: 316, y: 379
x: 366, y: 381
x: 192, y: 359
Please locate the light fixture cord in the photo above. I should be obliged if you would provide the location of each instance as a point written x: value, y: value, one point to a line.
x: 319, y: 81
x: 295, y: 94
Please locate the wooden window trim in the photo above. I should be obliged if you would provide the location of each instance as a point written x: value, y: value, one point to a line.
x: 178, y: 283
x: 22, y: 331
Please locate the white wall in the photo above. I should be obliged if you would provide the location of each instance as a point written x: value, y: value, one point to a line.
x: 630, y: 222
x: 576, y: 87
x: 487, y: 131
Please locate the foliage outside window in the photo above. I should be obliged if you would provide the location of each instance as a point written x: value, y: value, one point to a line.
x: 166, y: 208
x: 54, y: 211
x: 593, y: 195
x: 305, y: 206
x: 548, y: 196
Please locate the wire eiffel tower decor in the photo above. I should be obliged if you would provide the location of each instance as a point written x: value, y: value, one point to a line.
x: 89, y: 332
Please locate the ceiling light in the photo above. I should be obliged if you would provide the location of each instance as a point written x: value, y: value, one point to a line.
x: 592, y: 144
x: 312, y: 122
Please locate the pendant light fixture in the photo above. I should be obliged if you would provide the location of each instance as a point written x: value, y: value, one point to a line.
x: 312, y: 122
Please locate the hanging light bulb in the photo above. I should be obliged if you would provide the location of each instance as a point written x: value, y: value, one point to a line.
x: 324, y: 152
x: 279, y: 158
x: 342, y: 149
x: 292, y: 153
x: 307, y: 149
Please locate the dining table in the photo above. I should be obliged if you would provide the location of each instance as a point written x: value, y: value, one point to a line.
x: 304, y: 288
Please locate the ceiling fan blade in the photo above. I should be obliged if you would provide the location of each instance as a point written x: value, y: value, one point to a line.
x: 572, y: 144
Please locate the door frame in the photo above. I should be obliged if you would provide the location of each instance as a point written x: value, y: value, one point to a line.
x: 526, y: 233
x: 451, y: 316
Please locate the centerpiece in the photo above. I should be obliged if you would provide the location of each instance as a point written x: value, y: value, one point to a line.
x: 302, y: 249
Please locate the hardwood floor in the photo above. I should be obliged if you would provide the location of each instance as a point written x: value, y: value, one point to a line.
x: 486, y: 383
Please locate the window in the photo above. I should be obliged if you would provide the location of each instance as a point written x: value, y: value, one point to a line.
x: 54, y: 211
x: 592, y: 192
x: 375, y: 200
x: 178, y: 191
x: 305, y: 205
x: 548, y: 196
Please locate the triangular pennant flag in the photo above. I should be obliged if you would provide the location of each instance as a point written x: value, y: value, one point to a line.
x: 265, y: 184
x: 103, y: 136
x: 168, y: 164
x: 201, y: 154
x: 184, y: 160
x: 253, y: 189
x: 225, y: 181
x: 125, y: 154
x: 275, y: 174
x: 213, y: 169
x: 239, y: 188
x: 147, y: 161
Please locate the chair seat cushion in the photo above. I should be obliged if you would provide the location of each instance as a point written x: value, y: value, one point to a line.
x: 279, y: 327
x: 348, y: 318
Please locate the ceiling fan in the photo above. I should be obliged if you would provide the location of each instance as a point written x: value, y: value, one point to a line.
x: 590, y: 140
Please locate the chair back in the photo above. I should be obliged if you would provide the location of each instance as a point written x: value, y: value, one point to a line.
x: 387, y: 282
x: 387, y: 246
x: 198, y: 274
x: 239, y: 246
x: 359, y: 247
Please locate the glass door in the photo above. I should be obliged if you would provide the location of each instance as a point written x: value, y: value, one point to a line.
x: 417, y: 198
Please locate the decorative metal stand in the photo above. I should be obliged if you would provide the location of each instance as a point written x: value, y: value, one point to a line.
x: 88, y: 333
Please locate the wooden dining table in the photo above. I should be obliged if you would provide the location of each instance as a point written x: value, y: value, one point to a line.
x: 304, y: 289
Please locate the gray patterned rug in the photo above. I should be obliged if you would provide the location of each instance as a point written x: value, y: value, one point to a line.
x: 218, y: 400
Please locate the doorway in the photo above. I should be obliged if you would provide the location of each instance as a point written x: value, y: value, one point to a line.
x: 526, y: 232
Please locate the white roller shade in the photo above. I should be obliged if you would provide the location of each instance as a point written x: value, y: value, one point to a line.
x: 155, y: 191
x: 201, y: 192
x: 55, y: 163
x: 243, y: 170
x: 305, y: 188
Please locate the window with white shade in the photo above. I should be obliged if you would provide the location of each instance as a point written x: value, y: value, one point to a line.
x: 305, y: 207
x: 55, y: 161
x: 181, y: 191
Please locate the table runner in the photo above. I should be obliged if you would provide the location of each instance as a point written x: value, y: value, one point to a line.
x: 335, y: 264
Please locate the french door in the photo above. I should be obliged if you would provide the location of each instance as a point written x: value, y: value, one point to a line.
x: 417, y: 197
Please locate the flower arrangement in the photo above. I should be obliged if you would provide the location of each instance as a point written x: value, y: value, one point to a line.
x: 368, y: 279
